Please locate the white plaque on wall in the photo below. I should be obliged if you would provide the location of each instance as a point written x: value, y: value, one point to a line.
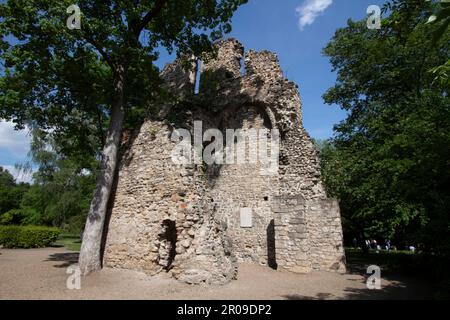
x: 246, y: 217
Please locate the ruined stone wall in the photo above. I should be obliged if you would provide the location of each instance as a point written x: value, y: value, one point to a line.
x: 263, y: 85
x: 180, y: 75
x: 293, y: 223
x: 308, y: 234
x: 264, y: 64
x: 325, y: 235
x: 143, y: 200
x: 155, y: 195
x: 227, y: 61
x: 237, y: 186
x: 292, y: 235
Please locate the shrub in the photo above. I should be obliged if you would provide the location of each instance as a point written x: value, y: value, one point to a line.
x: 23, y: 216
x: 27, y: 236
x: 9, y: 236
x: 13, y: 216
x: 6, y: 218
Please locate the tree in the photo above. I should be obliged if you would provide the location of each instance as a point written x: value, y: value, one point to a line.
x: 51, y: 71
x: 442, y: 17
x: 11, y: 195
x: 7, y: 183
x: 388, y: 161
x: 63, y: 184
x: 61, y: 191
x: 6, y: 178
x: 406, y: 15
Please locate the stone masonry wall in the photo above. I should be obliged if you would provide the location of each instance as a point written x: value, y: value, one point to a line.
x: 237, y: 186
x: 187, y: 219
x: 154, y: 194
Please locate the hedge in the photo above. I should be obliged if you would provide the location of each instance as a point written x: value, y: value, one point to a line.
x: 27, y: 236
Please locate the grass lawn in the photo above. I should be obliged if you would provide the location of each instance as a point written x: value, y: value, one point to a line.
x: 70, y: 241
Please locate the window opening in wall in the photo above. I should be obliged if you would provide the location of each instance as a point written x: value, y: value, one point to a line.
x: 242, y: 63
x: 197, y: 76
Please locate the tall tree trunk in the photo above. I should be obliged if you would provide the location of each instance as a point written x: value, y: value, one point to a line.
x: 90, y: 255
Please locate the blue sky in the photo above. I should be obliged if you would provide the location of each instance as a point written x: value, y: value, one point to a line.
x: 296, y: 30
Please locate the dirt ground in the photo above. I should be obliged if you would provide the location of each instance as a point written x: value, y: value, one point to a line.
x: 41, y: 274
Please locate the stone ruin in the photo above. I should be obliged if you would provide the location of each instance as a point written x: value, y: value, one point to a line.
x: 197, y: 223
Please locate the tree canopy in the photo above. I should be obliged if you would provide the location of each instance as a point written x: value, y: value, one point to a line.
x: 85, y: 84
x: 62, y: 79
x: 388, y: 162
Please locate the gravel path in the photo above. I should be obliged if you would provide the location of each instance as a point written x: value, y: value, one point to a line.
x: 41, y: 274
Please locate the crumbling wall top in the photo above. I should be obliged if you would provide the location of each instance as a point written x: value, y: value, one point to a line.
x: 228, y: 60
x: 179, y: 76
x: 264, y: 64
x: 223, y: 82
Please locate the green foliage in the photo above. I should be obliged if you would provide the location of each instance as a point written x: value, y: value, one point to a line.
x: 6, y: 178
x: 75, y: 224
x: 65, y: 79
x: 63, y: 185
x: 20, y: 216
x: 10, y: 192
x: 78, y: 89
x: 407, y: 15
x: 442, y: 75
x: 10, y: 218
x: 61, y: 193
x: 27, y: 236
x: 388, y: 162
x: 442, y: 17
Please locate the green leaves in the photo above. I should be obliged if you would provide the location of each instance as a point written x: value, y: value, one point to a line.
x: 6, y: 178
x: 389, y: 161
x: 442, y: 18
x: 62, y: 79
x: 442, y: 75
x: 10, y: 193
x: 27, y: 236
x: 62, y: 83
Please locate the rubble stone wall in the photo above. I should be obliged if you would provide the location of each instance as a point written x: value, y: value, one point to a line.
x: 197, y: 221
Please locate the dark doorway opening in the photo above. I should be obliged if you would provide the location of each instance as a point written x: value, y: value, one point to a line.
x: 167, y: 245
x: 271, y: 253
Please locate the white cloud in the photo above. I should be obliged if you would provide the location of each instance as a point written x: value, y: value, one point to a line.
x: 15, y: 143
x: 310, y: 10
x: 20, y: 176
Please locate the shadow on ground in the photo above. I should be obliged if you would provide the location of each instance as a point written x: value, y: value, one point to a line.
x: 392, y: 291
x: 393, y: 287
x: 67, y: 259
x: 319, y: 296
